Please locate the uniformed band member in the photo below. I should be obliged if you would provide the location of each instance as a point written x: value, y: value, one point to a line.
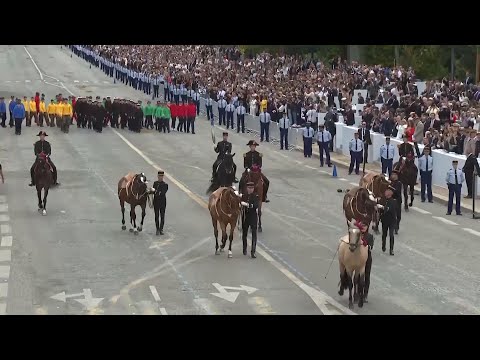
x: 425, y: 163
x: 323, y: 140
x: 241, y: 117
x: 156, y: 86
x: 191, y: 114
x: 389, y: 219
x: 250, y: 218
x: 223, y: 147
x: 308, y: 134
x: 254, y: 158
x: 159, y: 190
x: 43, y: 146
x: 209, y: 108
x: 397, y: 195
x: 471, y: 164
x: 356, y: 150
x: 454, y: 179
x: 196, y: 100
x: 387, y: 153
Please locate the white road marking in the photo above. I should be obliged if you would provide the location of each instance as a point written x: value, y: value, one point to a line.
x: 85, y: 81
x: 3, y: 198
x: 319, y: 298
x: 17, y: 81
x: 260, y: 305
x: 3, y: 290
x: 4, y: 218
x: 4, y: 271
x: 298, y: 161
x: 27, y: 81
x: 473, y: 232
x: 163, y: 311
x: 106, y: 82
x: 34, y: 63
x: 76, y: 81
x: 421, y: 211
x: 7, y: 81
x: 445, y: 221
x: 3, y: 207
x: 6, y: 241
x: 154, y: 292
x: 3, y: 309
x: 5, y: 229
x: 342, y: 179
x: 5, y: 255
x: 310, y: 167
x: 323, y: 171
x: 354, y: 184
x: 206, y: 305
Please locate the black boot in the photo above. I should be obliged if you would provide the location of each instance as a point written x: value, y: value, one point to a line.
x: 158, y: 232
x: 161, y: 231
x: 254, y: 247
x: 384, y: 247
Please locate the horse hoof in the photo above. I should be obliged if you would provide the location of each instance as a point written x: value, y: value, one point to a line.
x: 406, y: 209
x: 139, y: 229
x: 222, y: 249
x: 230, y: 255
x: 135, y: 232
x: 44, y: 212
x: 360, y: 304
x: 216, y: 252
x: 39, y: 209
x: 411, y: 204
x: 355, y: 298
x: 131, y: 230
x: 340, y: 292
x: 124, y: 227
x: 350, y: 305
x: 260, y: 229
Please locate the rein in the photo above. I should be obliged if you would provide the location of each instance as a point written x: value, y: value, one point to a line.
x: 136, y: 196
x: 356, y: 206
x: 219, y: 202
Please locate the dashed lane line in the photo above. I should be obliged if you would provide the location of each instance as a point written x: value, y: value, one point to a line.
x: 353, y: 184
x: 5, y: 229
x: 445, y: 221
x: 4, y: 271
x: 421, y: 211
x: 343, y: 179
x: 3, y: 207
x: 163, y: 311
x: 473, y: 232
x: 3, y: 290
x: 310, y: 167
x: 154, y: 292
x: 5, y: 255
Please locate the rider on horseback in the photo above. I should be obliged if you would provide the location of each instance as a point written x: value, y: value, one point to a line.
x: 222, y: 148
x: 43, y: 146
x: 406, y: 150
x: 253, y: 160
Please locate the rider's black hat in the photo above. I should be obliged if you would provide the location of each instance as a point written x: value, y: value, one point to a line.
x: 225, y: 133
x: 250, y: 184
x: 252, y: 142
x: 42, y: 133
x: 161, y: 172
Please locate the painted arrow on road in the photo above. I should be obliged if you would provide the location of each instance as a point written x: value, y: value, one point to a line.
x: 231, y: 296
x: 89, y: 302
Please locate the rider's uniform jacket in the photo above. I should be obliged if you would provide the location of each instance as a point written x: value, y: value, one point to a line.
x: 252, y: 158
x: 222, y: 148
x: 42, y: 146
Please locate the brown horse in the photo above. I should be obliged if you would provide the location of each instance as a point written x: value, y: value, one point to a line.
x: 43, y: 176
x: 377, y: 184
x: 132, y: 189
x: 407, y: 174
x: 360, y: 204
x: 254, y: 176
x: 224, y: 207
x: 352, y: 258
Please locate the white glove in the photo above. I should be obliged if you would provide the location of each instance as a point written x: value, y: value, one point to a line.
x: 380, y: 206
x: 244, y: 203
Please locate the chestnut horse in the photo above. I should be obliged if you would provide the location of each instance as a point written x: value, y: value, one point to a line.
x: 132, y: 189
x: 224, y: 207
x: 43, y: 176
x: 360, y: 204
x: 407, y: 174
x: 377, y: 184
x: 254, y: 176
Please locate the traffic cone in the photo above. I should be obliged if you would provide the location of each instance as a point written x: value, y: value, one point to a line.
x: 334, y: 174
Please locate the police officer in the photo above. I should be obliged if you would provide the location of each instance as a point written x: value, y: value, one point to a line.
x: 209, y: 108
x: 241, y: 117
x: 222, y: 104
x: 159, y: 190
x: 265, y: 119
x: 356, y: 150
x: 397, y: 195
x: 223, y: 147
x: 389, y: 219
x: 250, y: 218
x: 43, y: 146
x: 183, y: 92
x: 323, y: 140
x: 454, y: 179
x: 283, y: 126
x: 176, y: 95
x: 425, y: 163
x: 156, y: 86
x: 387, y: 152
x: 196, y: 100
x: 308, y: 134
x: 254, y: 158
x: 230, y: 109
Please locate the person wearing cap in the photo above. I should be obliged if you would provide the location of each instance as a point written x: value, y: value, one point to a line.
x: 471, y: 166
x: 43, y: 146
x: 387, y: 153
x: 397, y: 195
x: 323, y: 140
x: 355, y: 147
x: 18, y: 114
x: 364, y: 135
x: 252, y: 159
x: 108, y: 111
x: 265, y: 120
x: 284, y: 125
x: 3, y: 111
x: 222, y: 105
x: 454, y: 179
x: 32, y: 108
x: 425, y: 164
x: 250, y: 201
x: 308, y: 134
x: 222, y: 148
x: 230, y: 110
x: 159, y: 190
x: 389, y: 219
x: 241, y: 110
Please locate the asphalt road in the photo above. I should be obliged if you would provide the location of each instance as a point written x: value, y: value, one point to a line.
x: 80, y: 245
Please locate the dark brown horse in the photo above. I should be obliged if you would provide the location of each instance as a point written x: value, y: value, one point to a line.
x: 254, y: 176
x: 43, y: 176
x: 132, y: 189
x: 360, y: 204
x: 224, y: 207
x: 377, y: 184
x: 408, y: 177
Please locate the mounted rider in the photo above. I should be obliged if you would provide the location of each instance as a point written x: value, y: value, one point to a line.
x: 406, y: 150
x: 252, y: 160
x: 43, y: 146
x: 222, y: 148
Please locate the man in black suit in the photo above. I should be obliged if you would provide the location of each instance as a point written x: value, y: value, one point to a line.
x: 393, y: 102
x: 469, y: 79
x: 364, y: 135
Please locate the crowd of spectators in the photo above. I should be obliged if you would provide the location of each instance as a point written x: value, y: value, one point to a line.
x: 444, y: 115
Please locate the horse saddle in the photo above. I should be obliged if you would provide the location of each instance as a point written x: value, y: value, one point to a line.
x: 42, y: 156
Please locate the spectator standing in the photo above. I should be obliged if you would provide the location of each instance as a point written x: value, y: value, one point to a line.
x: 284, y: 125
x: 323, y: 140
x: 265, y: 119
x: 454, y: 180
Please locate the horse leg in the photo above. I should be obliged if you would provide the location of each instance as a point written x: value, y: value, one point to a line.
x: 224, y: 236
x: 230, y: 238
x: 355, y: 288
x: 122, y: 206
x: 143, y: 216
x: 39, y: 195
x: 411, y: 195
x: 343, y: 280
x: 215, y: 233
x: 45, y: 194
x: 260, y: 219
x: 133, y: 217
x: 361, y: 289
x: 350, y: 287
x: 405, y: 197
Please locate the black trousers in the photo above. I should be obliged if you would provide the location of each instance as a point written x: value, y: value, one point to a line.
x: 229, y: 119
x: 221, y: 116
x: 148, y: 121
x: 388, y: 226
x: 240, y: 122
x: 191, y: 123
x: 166, y: 94
x: 368, y: 269
x: 18, y: 126
x: 468, y: 180
x: 3, y: 118
x: 11, y: 122
x: 246, y: 224
x: 159, y: 209
x: 399, y: 213
x: 155, y: 90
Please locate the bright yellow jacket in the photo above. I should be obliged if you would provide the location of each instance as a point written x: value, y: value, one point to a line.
x: 52, y: 108
x: 43, y: 108
x: 26, y: 105
x: 67, y: 109
x: 263, y: 105
x: 59, y: 109
x: 33, y: 106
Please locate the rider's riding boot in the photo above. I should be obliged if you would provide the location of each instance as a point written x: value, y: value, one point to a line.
x: 161, y: 232
x: 158, y: 232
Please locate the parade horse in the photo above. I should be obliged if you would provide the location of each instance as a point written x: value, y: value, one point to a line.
x: 43, y: 176
x: 377, y: 184
x: 352, y: 258
x: 360, y: 204
x: 407, y: 174
x: 255, y: 176
x: 224, y: 207
x: 225, y: 174
x: 133, y: 189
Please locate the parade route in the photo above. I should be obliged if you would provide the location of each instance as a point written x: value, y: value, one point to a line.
x: 77, y: 260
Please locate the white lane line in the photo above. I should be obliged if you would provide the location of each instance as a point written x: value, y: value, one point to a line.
x: 8, y: 81
x: 310, y: 167
x: 4, y: 218
x: 260, y: 305
x: 323, y: 171
x: 3, y: 207
x: 319, y: 297
x: 85, y: 81
x: 4, y: 271
x: 163, y: 311
x: 5, y: 255
x: 3, y: 290
x: 298, y: 162
x: 445, y: 221
x: 6, y: 241
x: 354, y: 184
x: 76, y: 81
x: 34, y: 63
x: 473, y: 232
x: 3, y: 309
x: 154, y: 292
x: 17, y: 81
x: 342, y: 179
x: 3, y: 198
x: 421, y: 211
x: 106, y: 82
x: 27, y: 81
x: 5, y: 229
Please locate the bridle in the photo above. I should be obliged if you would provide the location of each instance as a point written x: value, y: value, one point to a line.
x: 218, y: 204
x: 130, y: 185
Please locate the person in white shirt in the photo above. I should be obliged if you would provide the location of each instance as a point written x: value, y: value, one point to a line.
x: 356, y: 150
x: 284, y: 124
x: 265, y: 119
x: 323, y: 140
x: 241, y: 117
x: 387, y: 153
x: 308, y: 134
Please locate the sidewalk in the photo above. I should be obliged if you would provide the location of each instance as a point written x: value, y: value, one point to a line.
x: 439, y: 193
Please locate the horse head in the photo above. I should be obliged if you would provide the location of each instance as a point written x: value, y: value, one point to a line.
x: 228, y: 163
x: 383, y: 183
x: 141, y: 184
x: 354, y: 235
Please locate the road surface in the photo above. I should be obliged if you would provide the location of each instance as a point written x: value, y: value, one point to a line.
x: 77, y: 260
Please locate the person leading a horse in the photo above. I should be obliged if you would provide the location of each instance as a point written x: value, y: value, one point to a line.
x: 253, y: 160
x: 43, y: 146
x: 222, y: 148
